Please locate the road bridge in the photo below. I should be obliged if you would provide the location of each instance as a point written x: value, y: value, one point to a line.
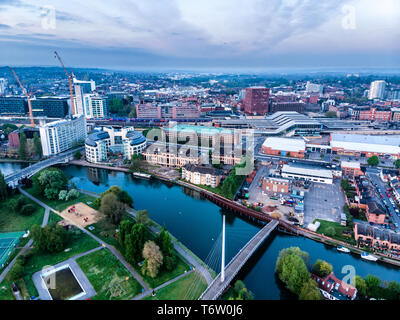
x: 222, y: 281
x: 14, y: 178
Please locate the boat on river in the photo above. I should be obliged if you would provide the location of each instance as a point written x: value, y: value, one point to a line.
x: 368, y: 256
x: 343, y: 249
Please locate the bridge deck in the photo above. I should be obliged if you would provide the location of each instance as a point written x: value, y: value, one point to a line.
x: 217, y: 287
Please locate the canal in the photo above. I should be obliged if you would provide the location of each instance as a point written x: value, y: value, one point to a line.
x: 197, y: 223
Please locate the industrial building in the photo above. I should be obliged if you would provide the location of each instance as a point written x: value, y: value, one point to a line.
x: 307, y: 172
x: 285, y: 147
x: 365, y: 145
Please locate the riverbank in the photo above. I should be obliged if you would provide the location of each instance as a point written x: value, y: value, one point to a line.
x: 299, y: 231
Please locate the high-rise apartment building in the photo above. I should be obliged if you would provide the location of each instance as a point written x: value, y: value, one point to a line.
x: 3, y: 86
x: 62, y: 135
x: 377, y: 90
x: 81, y: 88
x: 95, y: 106
x: 256, y: 100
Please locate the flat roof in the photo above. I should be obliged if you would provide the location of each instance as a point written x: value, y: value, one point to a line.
x: 307, y: 170
x: 367, y: 143
x: 286, y: 144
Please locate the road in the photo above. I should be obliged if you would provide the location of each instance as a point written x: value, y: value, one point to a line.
x: 381, y: 187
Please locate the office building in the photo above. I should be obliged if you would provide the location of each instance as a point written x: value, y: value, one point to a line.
x: 10, y: 105
x: 62, y: 135
x: 51, y: 107
x: 256, y: 100
x: 288, y: 106
x: 377, y: 90
x: 111, y: 140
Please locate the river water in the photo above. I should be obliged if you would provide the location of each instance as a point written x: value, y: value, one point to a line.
x: 197, y: 223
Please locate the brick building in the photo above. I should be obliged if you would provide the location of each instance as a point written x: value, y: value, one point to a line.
x: 284, y: 147
x: 256, y: 100
x: 275, y: 185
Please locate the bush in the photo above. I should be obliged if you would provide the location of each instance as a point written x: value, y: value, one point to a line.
x: 16, y: 271
x: 72, y: 194
x: 27, y: 209
x: 63, y: 195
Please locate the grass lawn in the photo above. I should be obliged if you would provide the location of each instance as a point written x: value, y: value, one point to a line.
x: 60, y: 205
x: 164, y: 275
x: 13, y: 221
x: 5, y: 289
x: 187, y: 288
x: 108, y: 276
x: 327, y: 226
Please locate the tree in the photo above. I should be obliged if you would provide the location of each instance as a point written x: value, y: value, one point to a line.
x: 27, y: 209
x: 22, y: 146
x: 331, y: 114
x: 125, y: 228
x: 373, y: 286
x: 51, y: 238
x: 322, y: 268
x: 16, y: 271
x: 310, y: 291
x: 164, y: 241
x: 373, y: 161
x: 77, y: 155
x: 63, y: 195
x: 72, y: 194
x: 153, y: 259
x: 49, y: 182
x: 397, y: 163
x: 345, y: 185
x: 142, y: 217
x: 361, y: 286
x: 122, y: 196
x: 292, y: 270
x: 3, y: 188
x: 38, y: 145
x: 112, y: 208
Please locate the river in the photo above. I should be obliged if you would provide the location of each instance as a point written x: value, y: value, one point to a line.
x: 197, y: 223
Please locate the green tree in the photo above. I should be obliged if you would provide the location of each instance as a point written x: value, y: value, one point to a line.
x: 38, y: 145
x: 142, y: 217
x: 361, y: 286
x: 3, y: 188
x: 331, y: 114
x: 62, y: 195
x: 345, y: 185
x: 373, y: 161
x: 164, y: 241
x: 22, y: 146
x: 292, y: 270
x: 50, y: 239
x: 27, y: 209
x: 16, y: 271
x: 310, y: 291
x: 373, y: 286
x: 134, y: 243
x: 397, y: 163
x: 153, y: 259
x: 125, y: 228
x: 77, y: 155
x: 49, y: 182
x: 322, y: 268
x: 112, y: 208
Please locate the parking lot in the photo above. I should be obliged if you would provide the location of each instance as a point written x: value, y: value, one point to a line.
x: 323, y: 201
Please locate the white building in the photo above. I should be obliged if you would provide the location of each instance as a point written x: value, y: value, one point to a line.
x: 377, y: 90
x: 114, y: 139
x: 3, y: 86
x: 62, y: 135
x: 95, y: 106
x: 307, y: 172
x: 314, y: 88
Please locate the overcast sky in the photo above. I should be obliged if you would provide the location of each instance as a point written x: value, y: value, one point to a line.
x: 201, y: 34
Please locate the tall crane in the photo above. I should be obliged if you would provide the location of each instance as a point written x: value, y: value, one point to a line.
x: 69, y: 81
x: 27, y: 96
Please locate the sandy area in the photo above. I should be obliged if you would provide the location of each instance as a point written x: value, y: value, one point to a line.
x: 82, y: 211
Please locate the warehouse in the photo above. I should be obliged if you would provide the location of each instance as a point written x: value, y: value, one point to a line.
x: 365, y: 145
x: 307, y: 172
x: 284, y: 147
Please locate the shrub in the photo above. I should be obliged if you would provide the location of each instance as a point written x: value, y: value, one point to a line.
x: 28, y: 209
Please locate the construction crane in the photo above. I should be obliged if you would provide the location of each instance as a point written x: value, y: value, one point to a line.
x: 69, y: 81
x: 27, y: 96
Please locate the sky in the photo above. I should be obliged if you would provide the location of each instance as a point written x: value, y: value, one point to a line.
x: 201, y: 34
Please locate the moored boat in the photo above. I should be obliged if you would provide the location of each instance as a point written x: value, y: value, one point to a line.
x: 368, y: 256
x: 343, y: 249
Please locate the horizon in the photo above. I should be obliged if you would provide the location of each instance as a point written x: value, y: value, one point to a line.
x: 227, y: 36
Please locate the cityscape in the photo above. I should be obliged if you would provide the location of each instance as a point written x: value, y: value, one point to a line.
x: 173, y: 176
